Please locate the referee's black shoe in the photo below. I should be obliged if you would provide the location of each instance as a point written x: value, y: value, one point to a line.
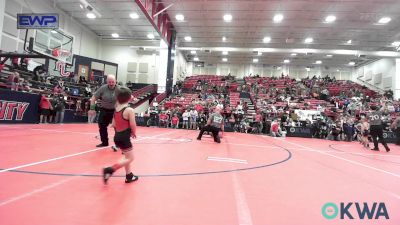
x: 101, y: 145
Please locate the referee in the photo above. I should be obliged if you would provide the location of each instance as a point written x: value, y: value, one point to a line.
x: 215, y: 124
x: 107, y: 94
x: 376, y: 128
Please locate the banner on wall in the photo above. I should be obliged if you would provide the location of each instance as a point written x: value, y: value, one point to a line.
x: 18, y: 107
x: 390, y: 137
x: 298, y: 132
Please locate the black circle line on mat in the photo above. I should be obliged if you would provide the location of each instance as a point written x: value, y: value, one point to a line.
x: 365, y: 156
x: 164, y: 175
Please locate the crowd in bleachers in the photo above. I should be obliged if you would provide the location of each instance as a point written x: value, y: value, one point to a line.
x: 57, y: 93
x: 337, y: 105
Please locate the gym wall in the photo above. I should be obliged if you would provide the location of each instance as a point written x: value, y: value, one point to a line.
x: 132, y: 66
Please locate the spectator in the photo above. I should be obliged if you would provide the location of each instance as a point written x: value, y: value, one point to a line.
x: 60, y: 109
x: 82, y: 80
x: 38, y: 73
x: 193, y: 119
x: 185, y: 118
x: 13, y: 81
x: 175, y: 121
x: 258, y: 122
x: 15, y: 62
x: 57, y: 89
x: 53, y: 109
x: 275, y: 129
x: 163, y: 119
x: 45, y: 107
x: 88, y: 91
x: 26, y: 86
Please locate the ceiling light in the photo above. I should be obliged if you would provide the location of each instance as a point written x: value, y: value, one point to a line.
x: 352, y: 63
x: 293, y: 54
x: 267, y: 39
x: 318, y: 62
x: 227, y: 17
x: 259, y: 53
x: 179, y: 17
x: 329, y: 56
x: 308, y: 69
x: 188, y: 38
x: 330, y: 19
x: 80, y: 5
x: 134, y: 16
x: 224, y: 59
x: 223, y: 38
x: 115, y: 35
x: 349, y: 42
x: 224, y: 53
x: 255, y: 60
x: 278, y: 18
x: 337, y: 70
x: 286, y: 61
x: 193, y: 52
x: 278, y: 68
x: 384, y: 20
x: 396, y: 43
x: 308, y: 40
x: 196, y: 59
x: 90, y: 15
x: 53, y: 31
x: 150, y: 36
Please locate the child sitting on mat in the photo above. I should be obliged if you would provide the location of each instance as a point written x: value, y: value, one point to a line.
x: 125, y: 127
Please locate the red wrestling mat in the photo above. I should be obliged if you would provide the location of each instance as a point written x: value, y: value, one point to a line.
x: 50, y: 174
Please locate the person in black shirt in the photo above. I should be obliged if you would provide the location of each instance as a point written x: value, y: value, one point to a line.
x: 38, y: 73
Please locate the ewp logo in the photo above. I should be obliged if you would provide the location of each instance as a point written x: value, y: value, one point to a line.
x: 37, y: 21
x: 331, y: 211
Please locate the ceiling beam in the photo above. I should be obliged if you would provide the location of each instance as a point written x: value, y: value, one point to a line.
x: 382, y: 54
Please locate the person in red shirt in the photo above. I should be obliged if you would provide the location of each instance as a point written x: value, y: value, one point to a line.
x: 275, y: 129
x: 198, y: 108
x: 175, y: 121
x: 125, y: 127
x: 163, y: 120
x: 45, y: 107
